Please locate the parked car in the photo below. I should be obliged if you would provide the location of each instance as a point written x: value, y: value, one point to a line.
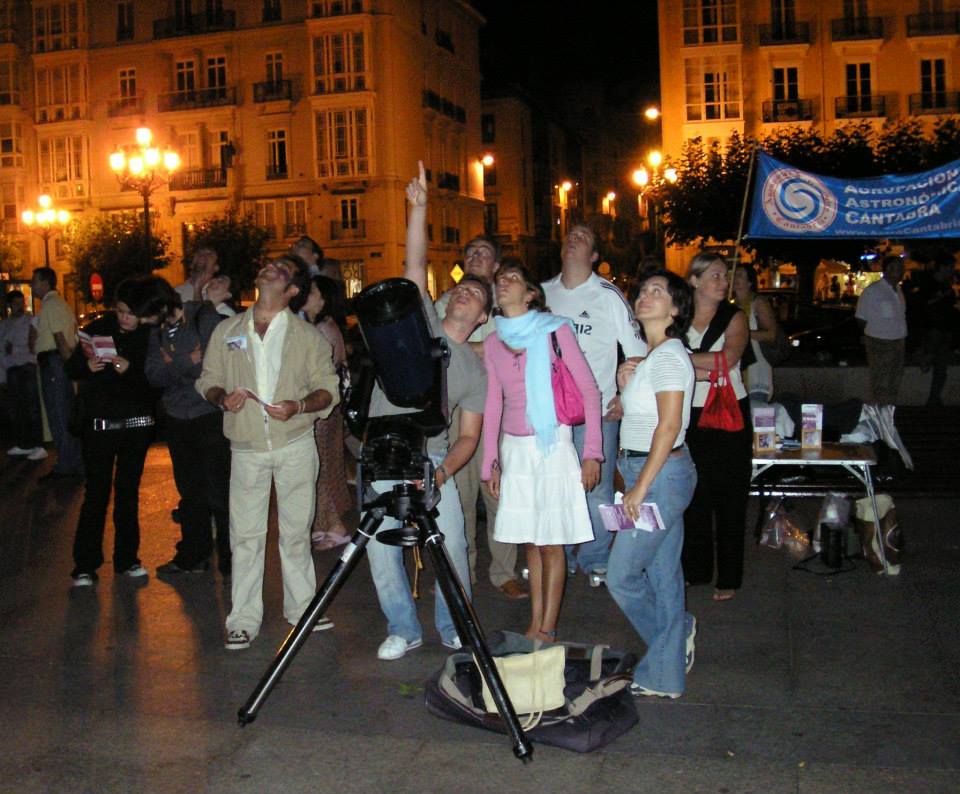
x: 841, y: 342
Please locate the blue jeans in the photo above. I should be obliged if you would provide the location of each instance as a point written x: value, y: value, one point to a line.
x: 390, y: 576
x: 593, y: 556
x: 645, y: 577
x: 58, y: 399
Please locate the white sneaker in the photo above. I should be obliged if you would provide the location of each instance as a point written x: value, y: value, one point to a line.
x: 395, y: 646
x: 641, y: 691
x: 597, y: 577
x: 135, y: 572
x: 37, y: 453
x: 14, y: 451
x: 454, y: 644
x: 83, y: 580
x: 237, y: 640
x: 691, y: 645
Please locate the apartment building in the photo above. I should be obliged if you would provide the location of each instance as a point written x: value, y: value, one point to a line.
x: 308, y: 114
x: 752, y: 66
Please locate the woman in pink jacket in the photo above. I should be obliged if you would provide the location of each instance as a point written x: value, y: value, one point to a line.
x: 536, y: 473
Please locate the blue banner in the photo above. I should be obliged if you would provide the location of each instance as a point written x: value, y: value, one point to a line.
x: 791, y: 203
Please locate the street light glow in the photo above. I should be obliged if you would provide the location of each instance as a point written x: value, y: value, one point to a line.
x: 670, y: 174
x: 655, y: 158
x: 611, y: 196
x: 144, y: 136
x: 135, y: 164
x: 487, y: 160
x: 45, y: 201
x: 117, y: 161
x: 27, y: 217
x: 641, y: 177
x: 652, y: 113
x: 567, y: 186
x: 171, y: 160
x: 152, y: 157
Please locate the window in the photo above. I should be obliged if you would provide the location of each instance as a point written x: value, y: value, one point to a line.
x: 266, y: 217
x: 9, y: 199
x: 783, y: 17
x: 60, y: 93
x: 188, y: 147
x: 276, y: 154
x: 785, y: 83
x: 274, y: 67
x: 488, y: 128
x: 349, y: 213
x: 712, y: 88
x: 854, y: 9
x: 186, y: 75
x: 709, y: 21
x: 125, y: 20
x: 217, y: 75
x: 272, y: 11
x: 931, y: 6
x: 490, y: 219
x: 62, y: 166
x: 294, y: 217
x: 11, y: 146
x: 220, y: 149
x: 343, y: 147
x: 335, y: 8
x: 339, y: 63
x: 859, y: 88
x: 490, y: 175
x: 127, y: 87
x: 9, y: 83
x: 933, y: 83
x: 352, y: 272
x: 56, y: 27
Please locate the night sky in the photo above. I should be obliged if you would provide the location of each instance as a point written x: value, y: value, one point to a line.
x: 542, y: 45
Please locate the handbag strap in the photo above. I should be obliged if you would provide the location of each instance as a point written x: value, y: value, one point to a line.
x: 724, y: 314
x: 556, y: 344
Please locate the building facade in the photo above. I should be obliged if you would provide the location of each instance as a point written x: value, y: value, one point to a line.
x: 309, y: 115
x: 751, y: 66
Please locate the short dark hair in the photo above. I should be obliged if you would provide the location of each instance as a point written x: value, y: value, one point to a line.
x: 751, y: 276
x: 681, y: 294
x: 47, y: 274
x: 146, y: 295
x: 485, y: 238
x: 334, y: 299
x: 539, y: 303
x: 890, y: 259
x: 485, y: 286
x: 11, y: 294
x: 593, y: 235
x: 308, y: 242
x: 300, y: 278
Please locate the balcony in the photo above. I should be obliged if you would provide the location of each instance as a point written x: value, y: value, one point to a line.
x: 787, y: 110
x: 784, y: 33
x: 197, y: 98
x: 199, y: 179
x: 277, y: 171
x: 273, y: 91
x: 294, y: 229
x: 125, y: 106
x: 855, y: 28
x: 354, y: 230
x: 860, y: 107
x: 194, y: 24
x: 71, y: 111
x: 446, y: 181
x: 935, y: 103
x: 945, y: 23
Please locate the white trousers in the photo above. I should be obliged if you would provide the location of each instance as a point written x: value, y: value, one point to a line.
x: 294, y: 470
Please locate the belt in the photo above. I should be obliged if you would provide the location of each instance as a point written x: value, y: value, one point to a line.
x: 123, y: 424
x: 636, y: 453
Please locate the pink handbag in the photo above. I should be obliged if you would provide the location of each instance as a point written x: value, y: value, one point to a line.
x: 567, y: 399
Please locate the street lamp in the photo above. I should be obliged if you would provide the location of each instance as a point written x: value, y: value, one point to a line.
x: 144, y: 167
x: 649, y: 181
x: 45, y: 222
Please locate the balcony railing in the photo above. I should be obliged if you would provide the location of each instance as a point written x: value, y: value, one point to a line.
x: 125, y: 106
x: 860, y: 107
x: 935, y: 24
x: 354, y: 230
x: 199, y: 179
x: 194, y: 24
x: 271, y: 91
x: 277, y: 171
x: 935, y: 103
x: 784, y: 33
x: 448, y: 181
x: 853, y: 28
x: 197, y: 98
x: 294, y: 229
x: 784, y: 110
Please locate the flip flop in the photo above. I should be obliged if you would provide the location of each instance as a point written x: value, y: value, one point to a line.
x: 724, y: 595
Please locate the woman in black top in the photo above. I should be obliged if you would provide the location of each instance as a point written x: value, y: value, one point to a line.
x: 115, y: 419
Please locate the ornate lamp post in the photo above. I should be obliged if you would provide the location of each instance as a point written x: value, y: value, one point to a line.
x: 144, y: 167
x: 45, y: 221
x: 649, y: 182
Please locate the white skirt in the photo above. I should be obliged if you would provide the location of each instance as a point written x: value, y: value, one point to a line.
x: 542, y: 500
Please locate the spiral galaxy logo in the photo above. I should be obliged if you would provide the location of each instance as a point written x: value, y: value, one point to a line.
x: 796, y: 201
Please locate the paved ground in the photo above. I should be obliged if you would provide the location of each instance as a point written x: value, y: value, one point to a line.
x: 802, y: 683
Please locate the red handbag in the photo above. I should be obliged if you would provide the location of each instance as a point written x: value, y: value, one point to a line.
x: 721, y: 410
x: 567, y: 399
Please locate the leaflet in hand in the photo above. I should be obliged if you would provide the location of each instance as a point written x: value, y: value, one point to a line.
x: 102, y: 347
x: 254, y: 396
x: 615, y: 517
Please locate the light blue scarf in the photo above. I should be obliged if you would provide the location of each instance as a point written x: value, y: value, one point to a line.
x: 531, y: 332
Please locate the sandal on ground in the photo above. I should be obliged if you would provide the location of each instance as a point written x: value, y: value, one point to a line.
x: 724, y: 595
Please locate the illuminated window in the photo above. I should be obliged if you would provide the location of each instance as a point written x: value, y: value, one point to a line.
x: 709, y: 21
x: 9, y: 83
x: 712, y: 88
x: 11, y: 145
x: 343, y: 146
x: 62, y: 171
x: 339, y: 63
x: 57, y: 26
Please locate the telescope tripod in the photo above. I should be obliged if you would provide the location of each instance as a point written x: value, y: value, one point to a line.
x: 406, y: 503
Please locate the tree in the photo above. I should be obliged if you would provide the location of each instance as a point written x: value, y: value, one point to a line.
x: 12, y: 259
x: 113, y: 246
x: 240, y: 245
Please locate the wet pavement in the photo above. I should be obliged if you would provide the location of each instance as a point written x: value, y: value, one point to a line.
x: 803, y: 683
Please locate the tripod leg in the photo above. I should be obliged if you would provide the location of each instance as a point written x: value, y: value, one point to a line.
x: 468, y: 626
x: 317, y: 607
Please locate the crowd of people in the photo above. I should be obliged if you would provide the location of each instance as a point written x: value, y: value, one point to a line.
x: 249, y: 403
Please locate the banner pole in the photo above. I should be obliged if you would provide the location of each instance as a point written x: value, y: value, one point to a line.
x: 743, y: 217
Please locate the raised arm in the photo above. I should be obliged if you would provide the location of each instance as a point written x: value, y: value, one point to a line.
x: 415, y: 267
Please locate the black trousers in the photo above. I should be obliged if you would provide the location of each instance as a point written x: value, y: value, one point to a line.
x: 24, y: 394
x: 104, y: 451
x: 201, y: 468
x: 717, y: 515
